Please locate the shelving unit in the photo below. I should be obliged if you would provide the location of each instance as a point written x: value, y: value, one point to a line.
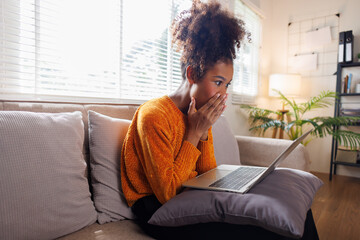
x: 338, y: 104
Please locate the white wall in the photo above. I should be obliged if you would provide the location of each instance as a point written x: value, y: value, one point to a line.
x: 278, y: 13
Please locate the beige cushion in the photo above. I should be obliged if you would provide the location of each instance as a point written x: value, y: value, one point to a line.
x: 115, y: 111
x: 225, y: 145
x: 260, y: 151
x: 106, y: 139
x: 43, y: 188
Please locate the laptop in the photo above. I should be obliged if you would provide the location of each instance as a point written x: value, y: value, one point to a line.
x: 238, y: 178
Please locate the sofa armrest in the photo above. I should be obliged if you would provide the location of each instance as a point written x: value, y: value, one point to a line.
x: 259, y: 151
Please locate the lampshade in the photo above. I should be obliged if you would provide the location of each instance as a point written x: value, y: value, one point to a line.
x: 287, y: 84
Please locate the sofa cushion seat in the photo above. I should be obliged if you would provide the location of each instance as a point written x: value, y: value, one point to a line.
x: 125, y: 229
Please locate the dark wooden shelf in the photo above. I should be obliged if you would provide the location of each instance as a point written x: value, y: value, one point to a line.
x: 353, y: 64
x: 348, y: 94
x: 334, y: 146
x: 347, y: 164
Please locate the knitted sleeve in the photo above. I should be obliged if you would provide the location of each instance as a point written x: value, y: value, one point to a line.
x: 207, y: 159
x: 165, y: 171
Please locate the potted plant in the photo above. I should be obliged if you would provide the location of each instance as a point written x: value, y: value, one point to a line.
x: 358, y: 57
x: 262, y: 120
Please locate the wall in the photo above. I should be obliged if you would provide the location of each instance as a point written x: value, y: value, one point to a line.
x: 278, y: 13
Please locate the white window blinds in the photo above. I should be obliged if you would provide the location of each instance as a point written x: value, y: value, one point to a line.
x: 246, y: 64
x: 150, y: 67
x: 109, y: 49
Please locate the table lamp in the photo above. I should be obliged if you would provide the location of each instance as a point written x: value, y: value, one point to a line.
x: 290, y: 86
x: 287, y: 84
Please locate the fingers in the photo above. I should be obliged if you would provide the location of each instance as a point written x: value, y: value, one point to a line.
x: 192, y: 106
x: 215, y: 106
x: 200, y: 120
x: 221, y: 105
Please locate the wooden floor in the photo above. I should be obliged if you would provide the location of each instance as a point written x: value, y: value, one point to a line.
x: 336, y: 208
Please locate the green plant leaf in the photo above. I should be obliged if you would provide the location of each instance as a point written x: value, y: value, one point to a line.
x: 263, y: 119
x: 347, y: 138
x: 292, y: 104
x: 269, y: 124
x: 325, y: 99
x: 327, y: 124
x: 255, y: 111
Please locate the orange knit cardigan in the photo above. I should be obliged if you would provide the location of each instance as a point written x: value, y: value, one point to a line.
x: 155, y: 158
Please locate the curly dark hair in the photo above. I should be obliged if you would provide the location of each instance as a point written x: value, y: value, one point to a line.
x: 206, y: 34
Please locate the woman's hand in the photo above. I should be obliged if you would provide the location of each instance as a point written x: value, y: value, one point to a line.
x: 201, y: 120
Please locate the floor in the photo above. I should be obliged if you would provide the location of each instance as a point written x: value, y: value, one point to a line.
x: 336, y: 208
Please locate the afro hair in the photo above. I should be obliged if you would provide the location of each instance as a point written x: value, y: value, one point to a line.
x: 206, y: 34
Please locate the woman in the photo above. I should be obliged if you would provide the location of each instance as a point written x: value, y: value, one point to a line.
x: 170, y: 139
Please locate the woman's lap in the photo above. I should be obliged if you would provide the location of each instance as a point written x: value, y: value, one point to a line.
x: 145, y: 207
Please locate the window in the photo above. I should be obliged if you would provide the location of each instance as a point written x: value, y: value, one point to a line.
x: 246, y: 64
x: 109, y: 49
x: 112, y: 50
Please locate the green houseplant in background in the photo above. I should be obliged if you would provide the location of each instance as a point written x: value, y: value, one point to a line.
x: 262, y: 120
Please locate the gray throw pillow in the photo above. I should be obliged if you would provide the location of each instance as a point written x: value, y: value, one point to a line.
x: 279, y: 203
x: 226, y: 148
x: 106, y: 137
x: 43, y: 188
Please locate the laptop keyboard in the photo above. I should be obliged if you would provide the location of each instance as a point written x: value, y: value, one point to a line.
x: 238, y: 178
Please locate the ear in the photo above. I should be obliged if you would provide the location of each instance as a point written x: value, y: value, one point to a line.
x: 190, y: 74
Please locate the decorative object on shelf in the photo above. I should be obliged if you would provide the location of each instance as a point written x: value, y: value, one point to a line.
x: 349, y: 46
x: 341, y: 53
x: 347, y: 155
x: 347, y: 84
x: 346, y: 47
x: 263, y: 119
x: 357, y: 88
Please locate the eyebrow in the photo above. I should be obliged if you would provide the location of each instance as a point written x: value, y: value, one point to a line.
x: 222, y: 78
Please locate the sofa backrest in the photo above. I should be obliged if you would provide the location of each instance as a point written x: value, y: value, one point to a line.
x: 225, y: 145
x: 112, y: 110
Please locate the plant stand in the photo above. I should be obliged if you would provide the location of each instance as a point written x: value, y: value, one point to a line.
x: 281, y: 118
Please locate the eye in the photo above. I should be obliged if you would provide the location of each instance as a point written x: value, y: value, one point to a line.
x: 227, y: 85
x: 218, y: 83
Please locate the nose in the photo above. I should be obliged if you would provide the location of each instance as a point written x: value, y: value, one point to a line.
x: 223, y: 91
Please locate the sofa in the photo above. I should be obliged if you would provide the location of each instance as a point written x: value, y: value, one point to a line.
x: 229, y: 149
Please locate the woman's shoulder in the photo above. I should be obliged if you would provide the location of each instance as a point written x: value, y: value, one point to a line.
x: 159, y: 113
x: 162, y: 107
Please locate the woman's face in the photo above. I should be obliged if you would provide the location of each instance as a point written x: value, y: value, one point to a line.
x: 216, y: 80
